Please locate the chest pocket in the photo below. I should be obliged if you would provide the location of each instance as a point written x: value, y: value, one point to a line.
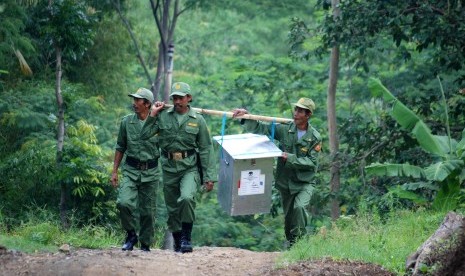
x: 167, y: 132
x: 192, y: 128
x: 164, y: 128
x: 304, y: 147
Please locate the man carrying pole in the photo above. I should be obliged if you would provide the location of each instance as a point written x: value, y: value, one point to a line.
x: 184, y: 140
x: 296, y: 168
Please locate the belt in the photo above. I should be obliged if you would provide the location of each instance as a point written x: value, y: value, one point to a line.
x: 178, y: 155
x: 141, y: 165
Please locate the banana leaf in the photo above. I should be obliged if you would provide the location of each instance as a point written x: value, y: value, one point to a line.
x: 395, y: 170
x: 441, y: 170
x: 408, y: 119
x: 400, y: 192
x: 413, y: 186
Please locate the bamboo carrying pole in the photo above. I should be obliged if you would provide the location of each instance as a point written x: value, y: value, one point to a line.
x: 230, y: 115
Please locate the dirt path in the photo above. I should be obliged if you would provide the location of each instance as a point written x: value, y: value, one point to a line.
x: 203, y: 261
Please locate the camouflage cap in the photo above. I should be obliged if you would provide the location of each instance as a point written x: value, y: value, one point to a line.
x: 305, y: 103
x: 143, y: 93
x: 180, y: 89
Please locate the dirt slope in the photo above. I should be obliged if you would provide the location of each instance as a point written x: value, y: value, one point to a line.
x: 203, y: 261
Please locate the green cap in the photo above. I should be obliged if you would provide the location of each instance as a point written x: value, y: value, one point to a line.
x: 305, y: 103
x: 143, y: 93
x: 180, y: 89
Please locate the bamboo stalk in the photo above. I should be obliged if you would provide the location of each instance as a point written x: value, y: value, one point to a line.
x: 230, y: 115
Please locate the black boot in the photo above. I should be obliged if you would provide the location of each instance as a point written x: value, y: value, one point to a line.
x: 186, y: 245
x: 144, y: 247
x: 131, y: 240
x: 177, y: 241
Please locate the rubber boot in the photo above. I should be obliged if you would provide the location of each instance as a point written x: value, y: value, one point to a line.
x: 144, y: 247
x: 131, y: 240
x: 186, y: 245
x: 177, y: 241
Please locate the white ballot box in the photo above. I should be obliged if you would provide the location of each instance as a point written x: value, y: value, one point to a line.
x: 246, y: 173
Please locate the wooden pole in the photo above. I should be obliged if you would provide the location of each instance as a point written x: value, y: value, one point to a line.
x: 230, y: 115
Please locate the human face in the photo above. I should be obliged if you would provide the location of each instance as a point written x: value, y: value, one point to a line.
x: 301, y: 116
x: 139, y: 106
x: 181, y: 104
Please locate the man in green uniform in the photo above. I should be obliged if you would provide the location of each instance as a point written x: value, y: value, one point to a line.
x: 136, y: 191
x: 184, y: 141
x: 296, y: 168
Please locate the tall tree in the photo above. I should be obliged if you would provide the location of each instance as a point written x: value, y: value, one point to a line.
x: 64, y: 29
x: 332, y: 122
x: 165, y: 14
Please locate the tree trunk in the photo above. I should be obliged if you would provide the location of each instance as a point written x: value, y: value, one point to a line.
x: 169, y: 71
x: 156, y: 88
x: 332, y: 123
x: 166, y: 24
x: 442, y: 253
x: 60, y: 135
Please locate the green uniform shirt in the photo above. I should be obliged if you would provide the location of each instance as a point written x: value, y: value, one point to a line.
x: 130, y: 143
x: 188, y: 134
x: 302, y: 161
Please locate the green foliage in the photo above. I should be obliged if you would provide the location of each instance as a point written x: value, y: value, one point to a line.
x: 367, y: 238
x: 102, y: 237
x: 18, y: 243
x: 446, y: 171
x: 106, y: 67
x: 82, y: 150
x: 13, y: 37
x: 65, y: 25
x: 430, y: 25
x: 44, y: 233
x: 41, y: 231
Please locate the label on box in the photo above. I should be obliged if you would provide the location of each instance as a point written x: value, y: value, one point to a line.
x: 252, y: 183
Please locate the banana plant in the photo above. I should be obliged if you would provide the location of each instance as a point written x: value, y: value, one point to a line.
x: 447, y: 172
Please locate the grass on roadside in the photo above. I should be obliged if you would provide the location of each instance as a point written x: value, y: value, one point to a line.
x: 48, y: 237
x: 369, y: 239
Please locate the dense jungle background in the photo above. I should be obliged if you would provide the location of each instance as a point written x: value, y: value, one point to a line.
x: 387, y: 78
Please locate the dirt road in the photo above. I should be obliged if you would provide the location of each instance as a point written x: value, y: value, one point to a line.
x: 203, y: 261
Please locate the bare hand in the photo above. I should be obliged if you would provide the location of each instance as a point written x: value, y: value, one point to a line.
x: 156, y: 107
x: 284, y: 156
x: 114, y: 180
x: 238, y: 112
x: 208, y: 186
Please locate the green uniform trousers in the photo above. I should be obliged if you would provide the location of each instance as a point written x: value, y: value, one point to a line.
x: 134, y: 216
x: 180, y: 190
x: 295, y: 213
